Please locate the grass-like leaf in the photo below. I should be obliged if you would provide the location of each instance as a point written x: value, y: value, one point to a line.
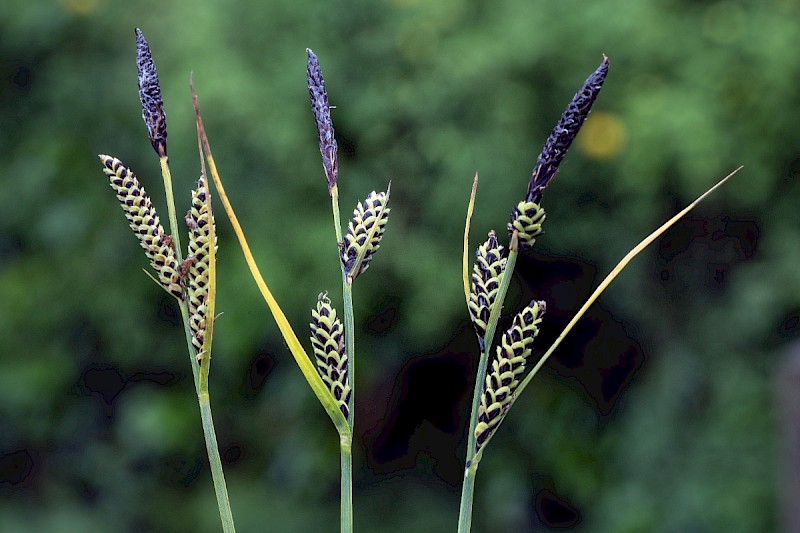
x: 302, y: 359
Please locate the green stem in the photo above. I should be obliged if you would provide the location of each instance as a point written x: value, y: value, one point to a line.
x: 346, y: 486
x: 467, y: 493
x: 220, y: 489
x: 349, y: 344
x: 491, y: 327
x: 173, y: 219
x: 192, y: 352
x: 347, y: 295
x: 473, y: 456
x: 200, y: 376
x: 349, y: 347
x: 176, y: 239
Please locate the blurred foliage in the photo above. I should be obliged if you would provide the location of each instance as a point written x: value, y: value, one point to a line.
x: 656, y: 415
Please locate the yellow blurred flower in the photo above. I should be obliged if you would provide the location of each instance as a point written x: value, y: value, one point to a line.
x: 603, y: 135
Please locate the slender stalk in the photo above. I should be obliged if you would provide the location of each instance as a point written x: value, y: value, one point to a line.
x: 467, y: 492
x: 346, y: 486
x: 175, y: 234
x: 349, y: 343
x: 491, y: 327
x: 347, y: 296
x: 173, y: 219
x: 346, y: 516
x: 473, y: 456
x: 192, y: 352
x: 220, y: 489
x: 200, y: 375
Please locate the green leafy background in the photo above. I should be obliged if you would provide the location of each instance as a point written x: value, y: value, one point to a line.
x: 658, y: 414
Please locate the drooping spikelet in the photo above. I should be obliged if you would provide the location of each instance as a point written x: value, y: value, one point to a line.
x: 486, y: 277
x: 145, y: 224
x: 150, y: 94
x: 507, y: 368
x: 322, y: 116
x: 327, y: 338
x: 364, y: 233
x: 527, y: 219
x: 197, y: 276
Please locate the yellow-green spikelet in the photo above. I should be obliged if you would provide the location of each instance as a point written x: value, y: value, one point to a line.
x: 197, y: 276
x: 145, y: 223
x: 327, y: 339
x: 486, y: 277
x: 507, y: 367
x: 364, y: 233
x: 527, y: 219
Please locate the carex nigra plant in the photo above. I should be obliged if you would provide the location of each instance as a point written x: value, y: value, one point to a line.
x: 504, y: 374
x: 190, y: 280
x: 333, y: 343
x: 335, y: 355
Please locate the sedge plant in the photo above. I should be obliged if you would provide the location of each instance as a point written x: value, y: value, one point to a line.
x: 190, y: 280
x: 501, y: 376
x: 335, y: 356
x: 333, y: 343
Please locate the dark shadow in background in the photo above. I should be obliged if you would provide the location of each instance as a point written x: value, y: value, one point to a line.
x: 423, y: 431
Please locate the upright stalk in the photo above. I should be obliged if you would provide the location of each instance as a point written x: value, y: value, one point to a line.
x: 175, y: 234
x: 473, y: 456
x: 349, y: 342
x: 353, y: 256
x: 347, y: 295
x: 346, y: 513
x: 491, y: 327
x: 467, y: 492
x: 220, y: 489
x: 346, y: 451
x: 173, y: 219
x: 192, y: 353
x: 200, y: 374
